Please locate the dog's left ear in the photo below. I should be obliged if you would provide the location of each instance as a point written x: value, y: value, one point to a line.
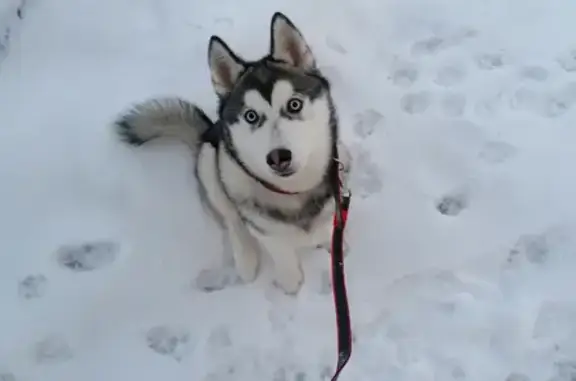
x: 288, y: 45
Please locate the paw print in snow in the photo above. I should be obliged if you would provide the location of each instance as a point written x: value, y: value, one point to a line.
x: 490, y: 61
x: 219, y: 338
x: 565, y: 371
x: 530, y: 247
x: 169, y: 341
x: 7, y: 376
x: 435, y: 44
x: 428, y: 46
x: 534, y: 73
x: 458, y: 373
x: 281, y: 374
x: 452, y: 204
x: 517, y: 377
x: 366, y: 121
x: 496, y: 152
x: 365, y: 180
x: 300, y: 376
x: 326, y: 373
x: 404, y: 76
x: 52, y: 349
x: 415, y: 103
x: 209, y: 280
x: 560, y: 101
x: 88, y: 256
x: 32, y: 287
x: 567, y: 61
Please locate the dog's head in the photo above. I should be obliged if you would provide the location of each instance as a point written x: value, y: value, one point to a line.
x: 278, y: 111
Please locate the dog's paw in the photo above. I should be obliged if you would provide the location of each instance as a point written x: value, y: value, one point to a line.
x: 210, y: 280
x: 247, y: 265
x: 290, y: 281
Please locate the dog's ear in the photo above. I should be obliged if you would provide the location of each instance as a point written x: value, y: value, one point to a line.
x: 288, y: 45
x: 225, y: 66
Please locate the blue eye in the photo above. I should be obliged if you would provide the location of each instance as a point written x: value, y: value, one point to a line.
x: 251, y: 116
x: 294, y: 105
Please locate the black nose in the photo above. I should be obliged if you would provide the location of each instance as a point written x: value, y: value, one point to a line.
x: 279, y: 159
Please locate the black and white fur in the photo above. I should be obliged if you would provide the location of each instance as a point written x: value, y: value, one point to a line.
x: 263, y: 166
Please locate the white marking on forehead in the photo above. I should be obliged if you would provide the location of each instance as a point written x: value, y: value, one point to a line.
x: 253, y: 99
x: 281, y: 92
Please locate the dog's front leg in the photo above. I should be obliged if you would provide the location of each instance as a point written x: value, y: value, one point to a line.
x: 244, y: 249
x: 288, y: 270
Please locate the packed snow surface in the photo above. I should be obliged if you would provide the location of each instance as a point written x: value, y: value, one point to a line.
x: 461, y: 116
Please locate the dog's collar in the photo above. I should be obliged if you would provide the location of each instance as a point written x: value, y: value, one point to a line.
x: 271, y: 187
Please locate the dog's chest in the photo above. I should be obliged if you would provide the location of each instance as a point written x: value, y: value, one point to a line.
x: 288, y: 213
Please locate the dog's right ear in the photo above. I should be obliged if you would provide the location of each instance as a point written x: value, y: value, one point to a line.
x: 225, y: 66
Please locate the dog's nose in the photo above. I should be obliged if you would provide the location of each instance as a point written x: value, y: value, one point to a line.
x: 279, y: 159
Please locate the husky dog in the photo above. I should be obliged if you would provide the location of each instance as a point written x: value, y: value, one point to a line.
x: 263, y: 167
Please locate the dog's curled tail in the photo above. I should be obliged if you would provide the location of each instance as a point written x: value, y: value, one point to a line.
x: 163, y: 117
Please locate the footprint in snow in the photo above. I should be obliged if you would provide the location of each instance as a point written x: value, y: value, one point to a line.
x: 564, y: 371
x: 496, y: 152
x: 405, y: 75
x: 32, y: 287
x: 52, y: 349
x: 365, y: 180
x: 435, y: 44
x: 415, y: 103
x: 366, y: 121
x: 88, y: 256
x: 7, y: 376
x: 210, y: 280
x: 326, y: 373
x: 489, y: 61
x: 514, y: 376
x: 452, y: 204
x: 281, y: 374
x: 428, y: 46
x: 567, y: 61
x: 533, y: 248
x: 534, y: 73
x: 219, y: 338
x: 169, y: 341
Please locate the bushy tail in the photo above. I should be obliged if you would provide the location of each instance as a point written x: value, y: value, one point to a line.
x: 163, y: 117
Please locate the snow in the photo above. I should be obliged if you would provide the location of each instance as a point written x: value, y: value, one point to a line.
x: 11, y: 13
x: 461, y: 119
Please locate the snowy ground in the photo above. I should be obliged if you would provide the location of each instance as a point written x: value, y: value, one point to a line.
x: 460, y: 114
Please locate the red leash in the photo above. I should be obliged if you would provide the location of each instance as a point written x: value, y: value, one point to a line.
x: 338, y: 277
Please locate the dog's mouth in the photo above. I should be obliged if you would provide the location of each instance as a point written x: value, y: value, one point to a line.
x: 284, y: 172
x: 283, y: 169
